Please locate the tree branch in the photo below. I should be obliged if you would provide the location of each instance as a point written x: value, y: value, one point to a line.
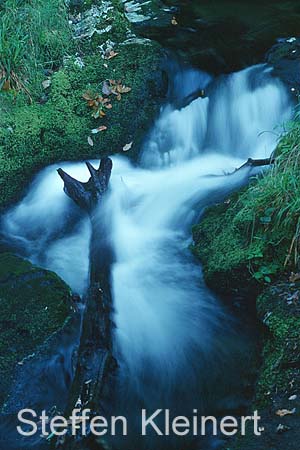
x: 182, y: 103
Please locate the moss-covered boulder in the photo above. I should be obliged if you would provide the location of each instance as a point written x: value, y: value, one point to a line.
x: 252, y: 239
x: 278, y: 385
x: 32, y: 136
x: 45, y: 117
x: 34, y: 304
x: 279, y: 310
x: 225, y: 255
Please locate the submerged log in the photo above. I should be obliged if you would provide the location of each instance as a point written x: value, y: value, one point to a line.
x: 96, y: 365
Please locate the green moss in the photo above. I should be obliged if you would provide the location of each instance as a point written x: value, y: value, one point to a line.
x: 281, y: 353
x: 34, y: 303
x: 32, y: 136
x: 255, y: 234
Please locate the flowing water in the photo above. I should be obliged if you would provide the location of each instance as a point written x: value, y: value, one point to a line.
x: 177, y: 347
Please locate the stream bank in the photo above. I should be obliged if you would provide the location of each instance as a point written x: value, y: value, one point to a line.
x: 58, y: 123
x: 248, y: 246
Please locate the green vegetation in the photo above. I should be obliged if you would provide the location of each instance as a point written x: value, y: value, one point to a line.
x: 255, y: 236
x: 34, y: 37
x: 247, y: 244
x: 43, y: 116
x: 277, y: 308
x: 34, y: 304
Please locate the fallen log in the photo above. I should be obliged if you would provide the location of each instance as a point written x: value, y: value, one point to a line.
x: 87, y: 195
x: 96, y: 365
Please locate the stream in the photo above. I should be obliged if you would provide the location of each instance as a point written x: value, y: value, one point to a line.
x: 178, y: 347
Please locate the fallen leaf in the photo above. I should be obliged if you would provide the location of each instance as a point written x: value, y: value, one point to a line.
x: 6, y: 86
x: 112, y: 54
x: 108, y: 106
x: 285, y: 412
x: 125, y: 89
x: 282, y: 428
x: 87, y: 96
x: 127, y: 147
x: 90, y: 141
x: 46, y: 84
x: 97, y: 130
x: 174, y: 21
x: 294, y: 277
x: 293, y: 298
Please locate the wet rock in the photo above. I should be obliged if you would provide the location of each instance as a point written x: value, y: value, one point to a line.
x: 149, y: 17
x: 215, y: 36
x: 92, y: 21
x: 34, y: 304
x: 285, y: 59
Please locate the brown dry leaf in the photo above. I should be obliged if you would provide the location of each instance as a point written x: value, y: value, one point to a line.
x: 112, y: 54
x: 125, y: 89
x: 6, y: 86
x: 294, y: 277
x: 174, y: 21
x: 87, y: 96
x: 119, y: 97
x: 108, y: 106
x: 90, y: 141
x: 285, y: 412
x: 127, y: 147
x: 97, y: 130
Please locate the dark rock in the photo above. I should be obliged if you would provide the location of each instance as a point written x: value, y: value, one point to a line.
x: 34, y: 304
x: 285, y: 59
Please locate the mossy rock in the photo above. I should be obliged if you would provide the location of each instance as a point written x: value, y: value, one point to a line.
x: 33, y: 136
x: 279, y: 375
x: 34, y: 304
x: 224, y: 254
x: 249, y: 241
x: 278, y: 309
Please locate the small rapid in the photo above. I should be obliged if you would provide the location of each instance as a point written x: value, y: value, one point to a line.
x: 176, y: 345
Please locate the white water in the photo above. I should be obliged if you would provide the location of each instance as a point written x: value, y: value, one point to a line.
x: 169, y: 327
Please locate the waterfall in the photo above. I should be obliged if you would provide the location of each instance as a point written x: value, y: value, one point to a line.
x: 173, y: 340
